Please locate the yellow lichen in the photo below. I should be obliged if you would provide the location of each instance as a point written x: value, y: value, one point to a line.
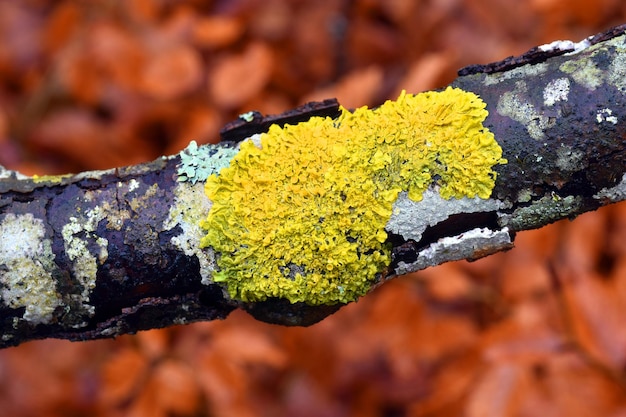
x: 50, y: 178
x: 303, y: 216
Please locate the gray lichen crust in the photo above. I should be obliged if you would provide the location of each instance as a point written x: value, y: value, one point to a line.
x: 544, y: 211
x: 613, y: 194
x: 589, y: 66
x: 472, y: 244
x: 410, y: 219
x: 518, y: 105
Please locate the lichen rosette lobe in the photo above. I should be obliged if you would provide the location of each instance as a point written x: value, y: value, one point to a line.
x: 303, y: 215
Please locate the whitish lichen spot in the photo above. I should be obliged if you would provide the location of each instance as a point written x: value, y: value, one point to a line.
x: 606, y: 115
x: 573, y: 47
x: 26, y: 266
x: 133, y: 184
x: 303, y: 217
x: 556, y: 90
x: 78, y: 235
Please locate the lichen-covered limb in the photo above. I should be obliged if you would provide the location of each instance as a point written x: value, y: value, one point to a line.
x: 561, y: 124
x: 105, y: 253
x: 101, y: 254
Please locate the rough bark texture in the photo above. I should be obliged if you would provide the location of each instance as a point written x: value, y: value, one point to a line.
x: 105, y: 253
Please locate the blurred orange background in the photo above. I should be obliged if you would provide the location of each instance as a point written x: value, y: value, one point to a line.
x: 537, y: 331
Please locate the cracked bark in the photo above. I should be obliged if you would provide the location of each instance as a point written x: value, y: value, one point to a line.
x: 104, y: 253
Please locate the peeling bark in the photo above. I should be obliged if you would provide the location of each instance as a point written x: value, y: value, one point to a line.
x: 104, y: 253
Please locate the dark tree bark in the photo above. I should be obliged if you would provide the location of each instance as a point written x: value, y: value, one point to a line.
x: 104, y: 253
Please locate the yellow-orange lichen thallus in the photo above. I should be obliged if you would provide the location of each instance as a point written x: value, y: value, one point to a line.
x: 303, y: 215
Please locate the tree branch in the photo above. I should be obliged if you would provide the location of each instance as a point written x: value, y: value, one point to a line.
x: 104, y: 253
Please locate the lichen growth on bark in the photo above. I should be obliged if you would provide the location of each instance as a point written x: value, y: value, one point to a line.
x: 303, y: 215
x: 26, y: 268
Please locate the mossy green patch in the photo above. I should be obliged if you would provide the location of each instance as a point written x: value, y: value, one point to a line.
x: 303, y: 216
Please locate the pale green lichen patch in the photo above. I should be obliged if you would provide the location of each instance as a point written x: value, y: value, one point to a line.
x: 248, y: 117
x: 617, y: 70
x: 79, y: 235
x: 517, y: 73
x: 303, y: 215
x: 189, y: 208
x: 518, y: 106
x: 586, y: 72
x: 198, y: 162
x: 524, y: 195
x: 26, y: 268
